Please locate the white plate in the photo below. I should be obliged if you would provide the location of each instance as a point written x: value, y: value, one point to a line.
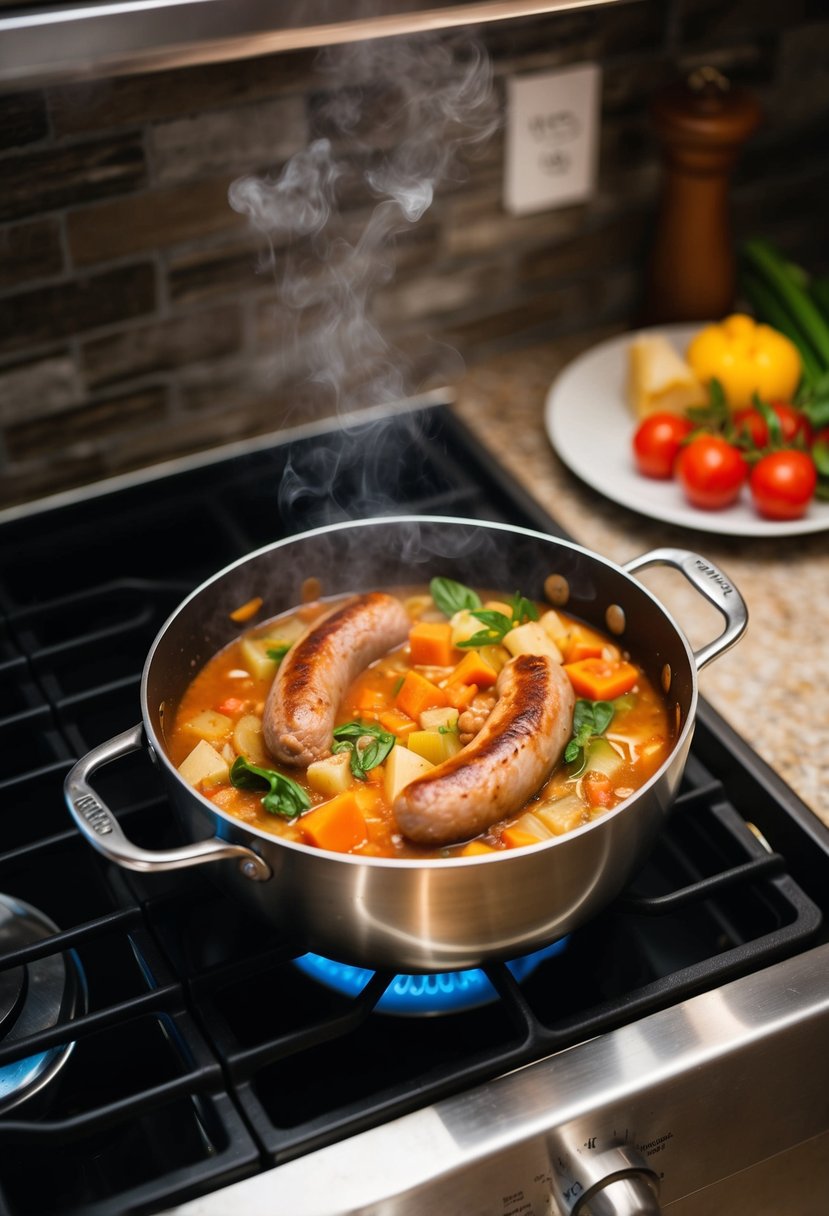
x: 591, y: 427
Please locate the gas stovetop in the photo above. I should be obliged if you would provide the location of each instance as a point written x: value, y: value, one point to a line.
x: 157, y: 1043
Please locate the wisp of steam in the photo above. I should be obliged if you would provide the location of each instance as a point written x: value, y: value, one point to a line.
x: 436, y: 103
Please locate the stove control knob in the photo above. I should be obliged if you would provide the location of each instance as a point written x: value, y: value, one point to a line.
x: 612, y: 1181
x: 631, y: 1195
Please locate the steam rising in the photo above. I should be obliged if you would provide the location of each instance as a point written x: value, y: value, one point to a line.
x: 425, y: 100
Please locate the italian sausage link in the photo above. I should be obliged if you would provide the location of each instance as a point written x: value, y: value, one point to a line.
x: 312, y: 679
x: 505, y: 764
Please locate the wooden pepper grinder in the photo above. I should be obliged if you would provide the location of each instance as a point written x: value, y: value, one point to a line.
x: 701, y: 124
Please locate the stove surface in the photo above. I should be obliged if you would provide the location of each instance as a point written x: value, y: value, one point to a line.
x: 194, y: 1050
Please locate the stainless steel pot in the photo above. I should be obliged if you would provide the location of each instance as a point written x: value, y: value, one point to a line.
x: 414, y: 916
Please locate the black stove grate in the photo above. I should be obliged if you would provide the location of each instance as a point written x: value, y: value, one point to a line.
x: 204, y: 1054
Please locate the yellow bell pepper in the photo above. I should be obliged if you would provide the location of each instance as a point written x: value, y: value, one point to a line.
x: 746, y: 358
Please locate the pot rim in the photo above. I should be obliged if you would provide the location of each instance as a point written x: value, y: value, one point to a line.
x: 158, y: 749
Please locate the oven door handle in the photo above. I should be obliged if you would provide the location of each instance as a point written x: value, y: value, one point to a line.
x: 103, y: 831
x: 710, y: 581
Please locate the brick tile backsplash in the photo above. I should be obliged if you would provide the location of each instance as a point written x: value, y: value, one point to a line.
x: 141, y: 317
x: 23, y: 119
x: 60, y: 310
x: 153, y: 219
x: 28, y: 251
x: 54, y: 178
x: 163, y: 345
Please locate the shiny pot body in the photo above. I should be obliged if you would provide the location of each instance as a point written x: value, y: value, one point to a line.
x: 413, y: 916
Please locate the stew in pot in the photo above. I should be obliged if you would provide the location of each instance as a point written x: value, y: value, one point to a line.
x: 429, y: 722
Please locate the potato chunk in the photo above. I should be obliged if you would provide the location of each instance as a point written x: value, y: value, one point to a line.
x: 402, y: 767
x: 248, y: 741
x: 210, y: 725
x: 434, y: 745
x: 434, y: 719
x: 531, y: 638
x: 331, y: 776
x: 204, y: 766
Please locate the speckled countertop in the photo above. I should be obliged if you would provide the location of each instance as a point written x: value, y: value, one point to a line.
x: 773, y: 686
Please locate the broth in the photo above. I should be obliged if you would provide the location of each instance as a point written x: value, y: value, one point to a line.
x: 425, y: 699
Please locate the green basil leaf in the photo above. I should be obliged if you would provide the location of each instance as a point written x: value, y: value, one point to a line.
x: 284, y: 797
x: 363, y: 760
x: 590, y: 719
x: 452, y: 597
x: 278, y: 652
x: 522, y: 610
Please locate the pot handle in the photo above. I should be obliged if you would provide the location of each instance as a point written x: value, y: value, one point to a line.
x: 710, y: 582
x: 103, y: 831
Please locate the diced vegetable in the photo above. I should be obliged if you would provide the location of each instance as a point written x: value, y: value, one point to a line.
x: 248, y: 741
x: 417, y: 693
x: 256, y: 659
x: 515, y: 838
x: 461, y: 696
x: 210, y: 725
x: 331, y: 776
x: 231, y: 706
x: 246, y: 611
x: 563, y: 815
x: 437, y: 719
x: 601, y: 679
x: 204, y: 766
x: 532, y: 638
x: 597, y: 788
x: 528, y: 825
x: 474, y: 669
x: 464, y: 626
x: 398, y: 723
x: 434, y: 745
x: 601, y: 757
x: 476, y: 848
x: 337, y: 825
x: 402, y: 767
x: 554, y: 626
x: 431, y: 644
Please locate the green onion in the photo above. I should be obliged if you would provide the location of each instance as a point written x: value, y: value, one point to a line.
x: 764, y: 261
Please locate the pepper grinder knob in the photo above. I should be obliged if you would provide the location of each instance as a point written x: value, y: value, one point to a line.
x: 701, y: 124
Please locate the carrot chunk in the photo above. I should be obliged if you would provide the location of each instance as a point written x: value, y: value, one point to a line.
x: 245, y: 611
x: 397, y: 723
x: 337, y: 825
x: 582, y: 648
x: 474, y: 669
x: 517, y: 838
x: 601, y: 679
x: 430, y: 643
x: 461, y: 696
x: 476, y: 848
x: 417, y: 693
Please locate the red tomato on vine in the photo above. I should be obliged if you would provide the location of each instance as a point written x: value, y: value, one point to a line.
x: 657, y: 441
x: 711, y: 472
x: 782, y: 483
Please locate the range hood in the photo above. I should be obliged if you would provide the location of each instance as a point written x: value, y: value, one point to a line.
x: 47, y: 43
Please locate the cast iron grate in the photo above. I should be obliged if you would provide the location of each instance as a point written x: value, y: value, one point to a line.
x: 192, y: 1060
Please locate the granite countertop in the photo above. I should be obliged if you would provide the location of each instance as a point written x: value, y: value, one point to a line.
x: 773, y: 686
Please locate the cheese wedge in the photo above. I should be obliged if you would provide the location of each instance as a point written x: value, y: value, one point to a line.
x: 660, y: 379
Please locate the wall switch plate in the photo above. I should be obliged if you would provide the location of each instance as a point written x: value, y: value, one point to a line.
x: 551, y: 138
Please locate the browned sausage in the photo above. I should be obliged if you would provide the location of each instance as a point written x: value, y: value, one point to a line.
x: 312, y: 679
x: 507, y: 761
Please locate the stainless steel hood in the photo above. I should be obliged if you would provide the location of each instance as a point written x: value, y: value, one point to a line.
x: 44, y: 44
